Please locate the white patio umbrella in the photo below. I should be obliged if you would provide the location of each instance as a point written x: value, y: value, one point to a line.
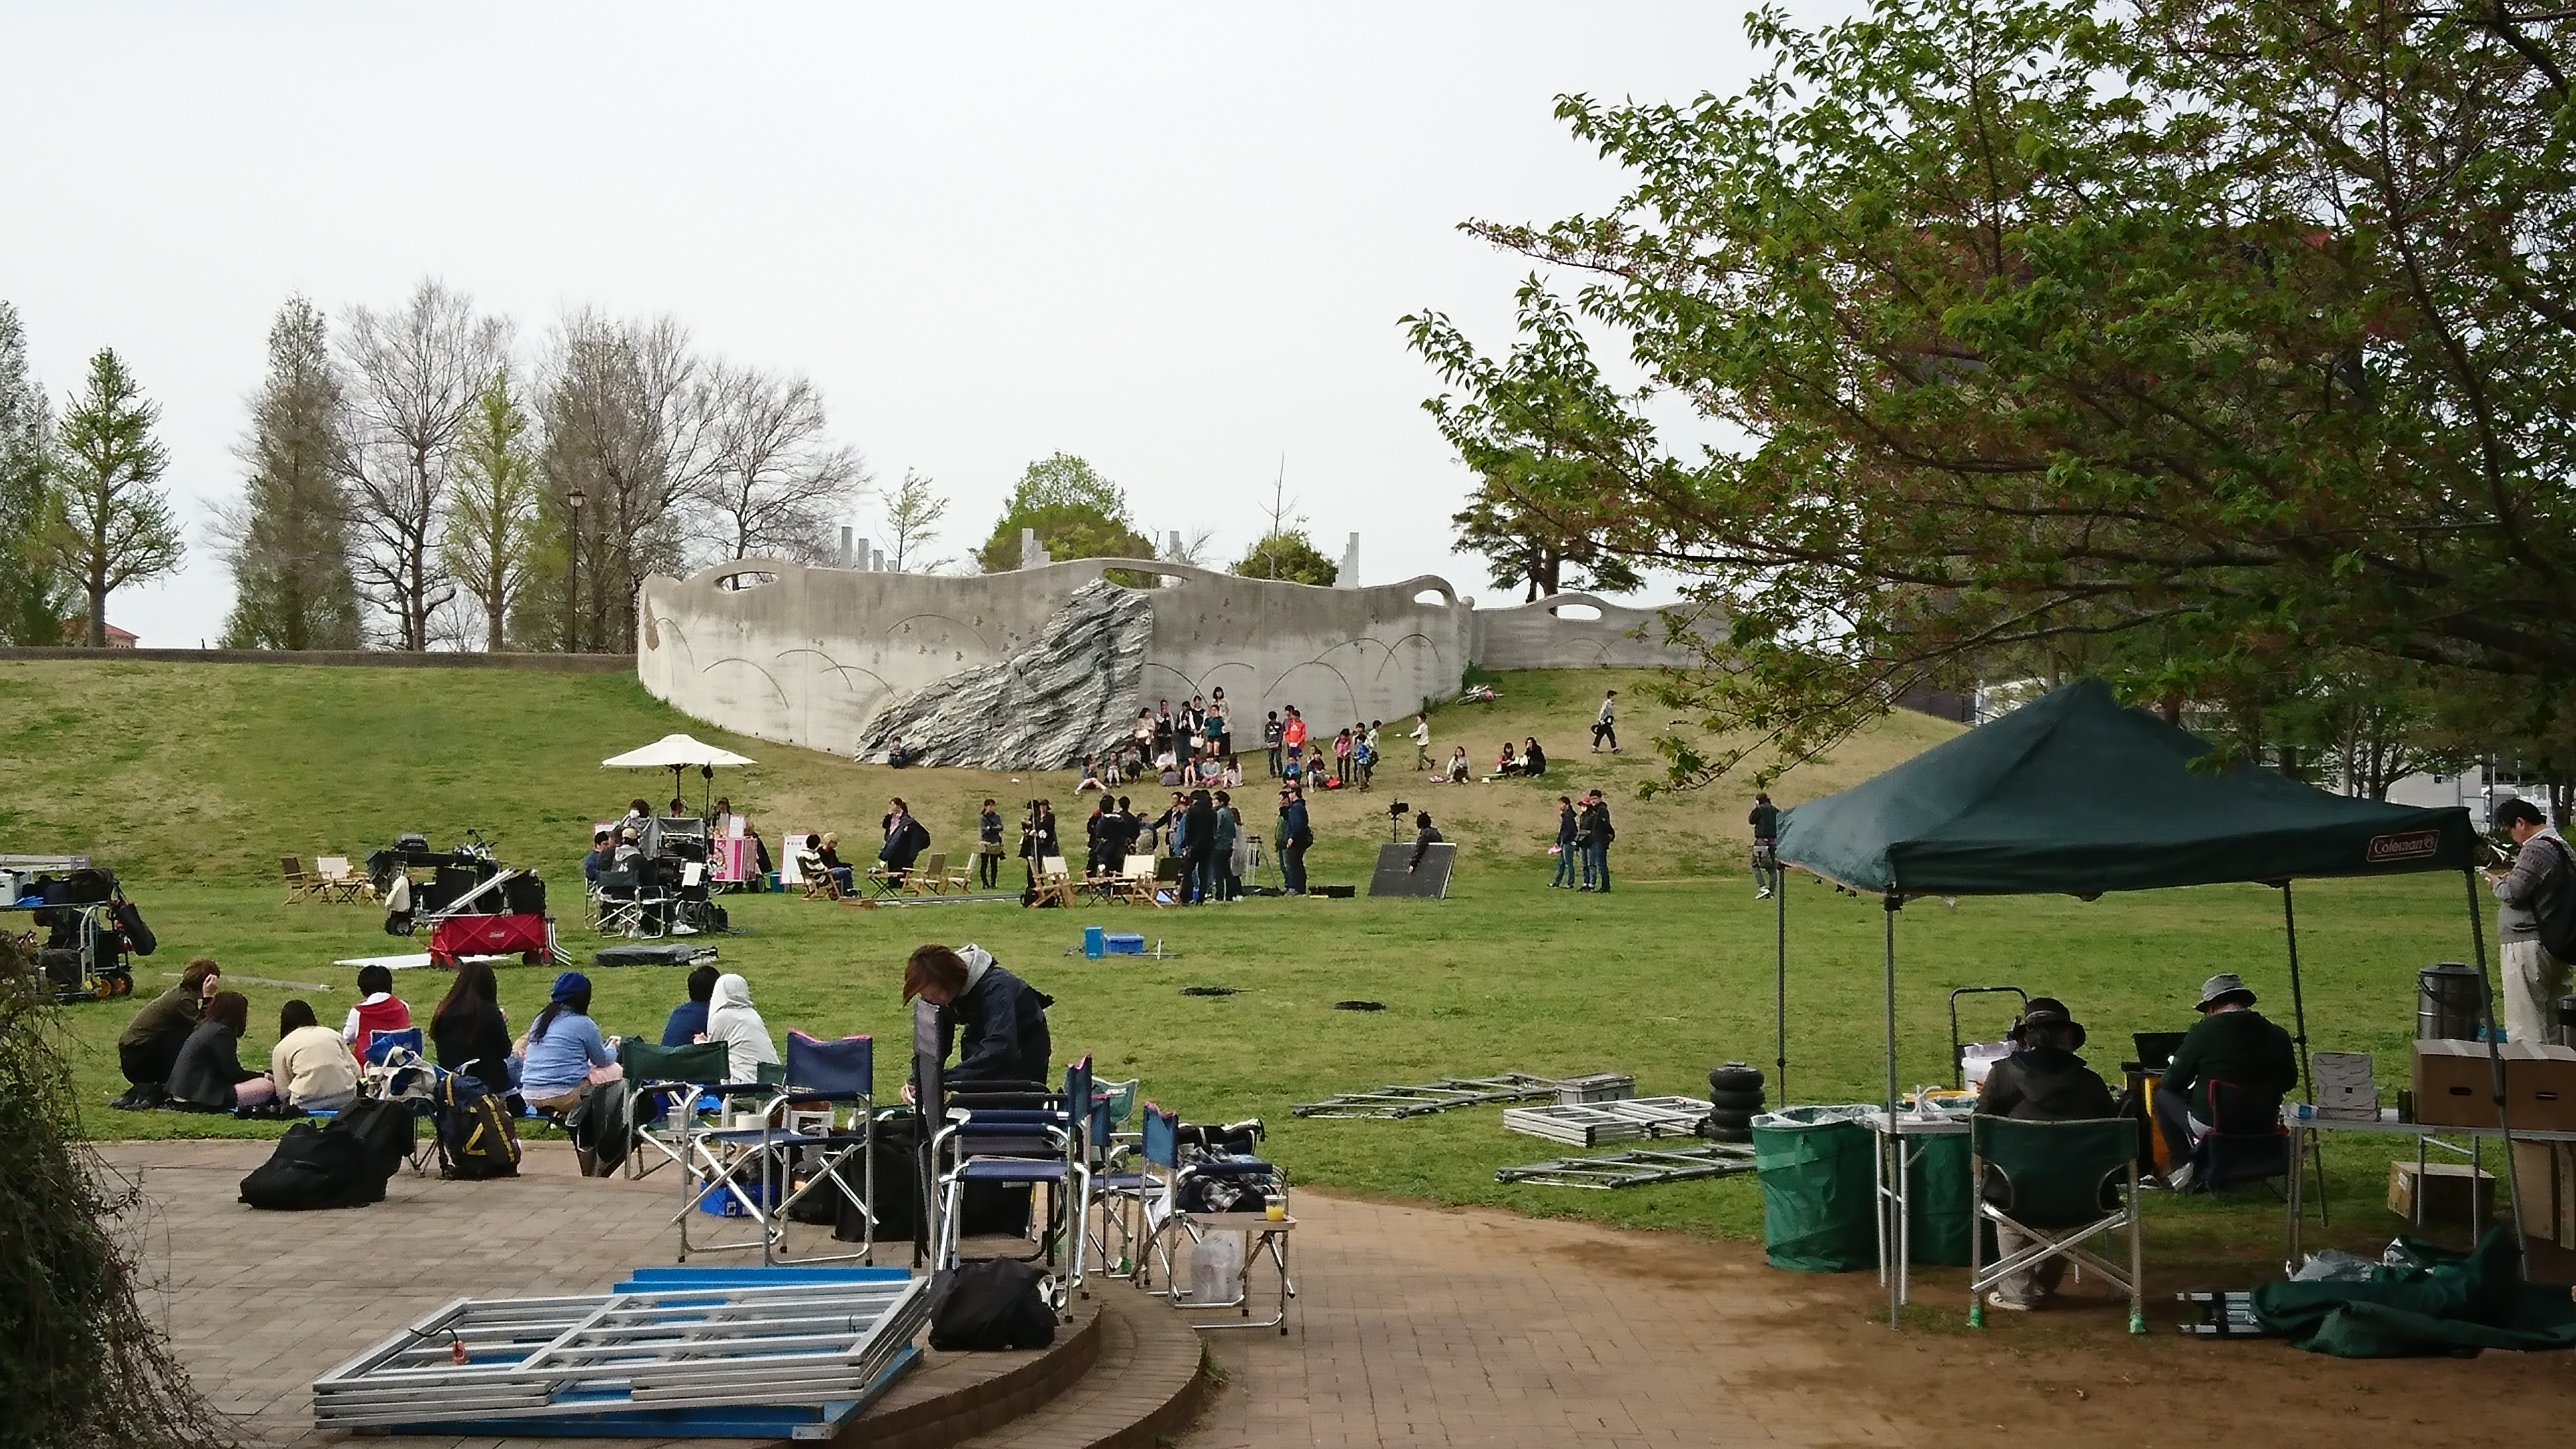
x: 675, y: 753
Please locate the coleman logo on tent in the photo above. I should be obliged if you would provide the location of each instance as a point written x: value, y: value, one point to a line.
x: 2413, y: 845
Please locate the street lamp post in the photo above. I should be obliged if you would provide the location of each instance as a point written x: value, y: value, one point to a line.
x: 575, y: 498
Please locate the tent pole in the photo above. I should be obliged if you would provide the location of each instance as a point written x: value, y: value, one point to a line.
x: 1780, y: 987
x: 2495, y: 1061
x: 2299, y: 1019
x: 1904, y: 1200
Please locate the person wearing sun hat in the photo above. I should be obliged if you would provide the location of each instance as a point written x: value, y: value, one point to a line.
x: 2231, y: 1043
x: 2042, y: 1081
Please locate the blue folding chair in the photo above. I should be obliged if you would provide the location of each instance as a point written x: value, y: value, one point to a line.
x: 998, y: 1146
x: 1132, y: 1186
x: 823, y: 1120
x: 1185, y: 1206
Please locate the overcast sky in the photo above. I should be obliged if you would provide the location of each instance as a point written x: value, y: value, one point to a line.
x: 1176, y: 242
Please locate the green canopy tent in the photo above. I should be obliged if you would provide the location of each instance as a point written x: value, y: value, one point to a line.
x: 2076, y: 794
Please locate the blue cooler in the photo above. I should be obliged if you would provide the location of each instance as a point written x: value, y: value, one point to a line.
x: 1125, y: 944
x: 1095, y: 942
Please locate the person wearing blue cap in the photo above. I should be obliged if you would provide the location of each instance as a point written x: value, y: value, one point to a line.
x: 564, y: 1051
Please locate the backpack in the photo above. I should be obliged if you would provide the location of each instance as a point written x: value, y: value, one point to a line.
x: 316, y: 1168
x: 388, y: 1131
x: 990, y: 1307
x: 476, y: 1139
x: 2557, y: 918
x: 138, y: 936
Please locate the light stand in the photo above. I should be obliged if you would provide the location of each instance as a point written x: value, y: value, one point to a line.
x: 573, y: 499
x: 1395, y: 821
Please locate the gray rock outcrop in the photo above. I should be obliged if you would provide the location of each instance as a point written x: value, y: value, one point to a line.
x: 1070, y: 693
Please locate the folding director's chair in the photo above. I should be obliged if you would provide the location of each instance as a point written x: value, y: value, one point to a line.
x: 1024, y: 1147
x: 2066, y: 1184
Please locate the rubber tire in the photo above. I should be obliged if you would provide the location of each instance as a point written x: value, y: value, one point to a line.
x: 1724, y: 1120
x: 1735, y: 1077
x: 1736, y: 1101
x: 1730, y: 1134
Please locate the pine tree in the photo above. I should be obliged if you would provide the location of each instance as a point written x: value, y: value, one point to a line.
x: 116, y: 528
x: 491, y: 541
x: 288, y: 538
x: 34, y: 594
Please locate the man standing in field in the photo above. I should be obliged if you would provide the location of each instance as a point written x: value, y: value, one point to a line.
x: 1605, y: 725
x: 1765, y: 821
x: 2535, y: 890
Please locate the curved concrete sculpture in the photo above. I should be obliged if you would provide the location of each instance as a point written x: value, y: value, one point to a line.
x: 1056, y: 660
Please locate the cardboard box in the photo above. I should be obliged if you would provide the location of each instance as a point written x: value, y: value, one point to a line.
x: 2540, y: 1086
x: 2445, y: 1192
x: 2455, y: 1086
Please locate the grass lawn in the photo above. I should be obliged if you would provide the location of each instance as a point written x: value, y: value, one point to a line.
x: 191, y: 780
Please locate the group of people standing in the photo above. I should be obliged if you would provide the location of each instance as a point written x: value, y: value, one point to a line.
x: 1349, y: 759
x: 1583, y: 834
x: 1202, y: 828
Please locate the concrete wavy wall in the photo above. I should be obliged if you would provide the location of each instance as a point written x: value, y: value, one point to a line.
x: 809, y: 657
x: 1550, y: 634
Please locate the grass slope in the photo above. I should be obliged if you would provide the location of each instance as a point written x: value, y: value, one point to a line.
x: 192, y: 779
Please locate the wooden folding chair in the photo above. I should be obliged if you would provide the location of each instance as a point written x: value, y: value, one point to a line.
x: 336, y: 881
x: 1138, y: 882
x: 1055, y: 882
x: 818, y: 881
x: 930, y: 878
x: 298, y: 884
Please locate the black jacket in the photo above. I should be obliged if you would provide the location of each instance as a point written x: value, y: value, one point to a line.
x: 1422, y: 843
x: 474, y: 1032
x: 1568, y: 831
x: 2237, y: 1047
x: 209, y: 1066
x: 1201, y: 830
x: 1004, y: 1022
x: 2045, y: 1084
x: 1765, y: 821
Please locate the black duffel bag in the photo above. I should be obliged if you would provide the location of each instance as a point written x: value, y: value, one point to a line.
x: 992, y: 1306
x: 316, y: 1168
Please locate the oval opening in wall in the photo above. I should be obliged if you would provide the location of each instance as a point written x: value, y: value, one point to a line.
x: 742, y: 581
x: 1432, y: 596
x: 1585, y: 612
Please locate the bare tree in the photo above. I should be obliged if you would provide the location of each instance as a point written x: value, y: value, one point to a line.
x: 912, y: 514
x: 630, y: 414
x: 776, y: 484
x: 413, y: 376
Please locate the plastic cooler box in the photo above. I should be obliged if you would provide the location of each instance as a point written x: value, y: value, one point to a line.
x: 1125, y: 943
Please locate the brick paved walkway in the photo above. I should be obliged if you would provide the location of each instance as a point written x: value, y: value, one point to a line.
x: 1414, y: 1326
x: 1417, y: 1326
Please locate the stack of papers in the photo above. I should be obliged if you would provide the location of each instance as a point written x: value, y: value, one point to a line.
x: 2344, y: 1087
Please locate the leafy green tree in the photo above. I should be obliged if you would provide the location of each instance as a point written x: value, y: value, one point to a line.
x: 287, y: 539
x: 1289, y: 556
x: 1077, y: 514
x: 491, y: 541
x: 35, y: 594
x: 116, y: 528
x: 2205, y: 344
x: 912, y: 514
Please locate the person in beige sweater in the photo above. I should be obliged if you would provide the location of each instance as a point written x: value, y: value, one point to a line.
x: 311, y: 1064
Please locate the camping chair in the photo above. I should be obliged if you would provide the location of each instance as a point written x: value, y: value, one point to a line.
x: 394, y: 1070
x: 1210, y: 1187
x: 818, y: 881
x: 1055, y: 883
x: 930, y: 877
x: 390, y: 1017
x: 2066, y: 1183
x: 335, y: 881
x: 824, y: 1079
x: 664, y: 1087
x: 618, y: 902
x: 1013, y: 1134
x: 1138, y: 880
x: 2246, y: 1141
x: 298, y: 884
x: 727, y: 1169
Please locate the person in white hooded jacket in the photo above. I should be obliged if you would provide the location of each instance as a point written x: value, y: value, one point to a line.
x: 731, y: 1020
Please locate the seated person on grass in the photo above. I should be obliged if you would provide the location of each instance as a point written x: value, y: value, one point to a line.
x: 563, y: 1051
x: 2231, y: 1043
x: 208, y: 1075
x: 470, y: 1032
x: 1533, y: 759
x: 827, y: 854
x: 2042, y: 1081
x: 1459, y: 769
x: 150, y: 1042
x: 310, y: 1066
x: 1090, y: 775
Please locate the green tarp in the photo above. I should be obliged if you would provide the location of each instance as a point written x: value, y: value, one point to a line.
x: 2456, y: 1303
x: 2075, y: 794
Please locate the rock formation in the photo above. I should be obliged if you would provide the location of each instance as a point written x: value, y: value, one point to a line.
x: 1071, y: 692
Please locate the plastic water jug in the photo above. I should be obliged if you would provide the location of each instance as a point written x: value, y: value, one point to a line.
x: 1216, y: 1268
x: 1095, y: 942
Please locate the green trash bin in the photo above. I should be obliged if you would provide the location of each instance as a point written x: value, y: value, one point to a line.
x: 1938, y: 1204
x: 1819, y: 1209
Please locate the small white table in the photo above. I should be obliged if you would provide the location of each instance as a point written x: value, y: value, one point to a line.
x: 2304, y: 1131
x: 1889, y: 1175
